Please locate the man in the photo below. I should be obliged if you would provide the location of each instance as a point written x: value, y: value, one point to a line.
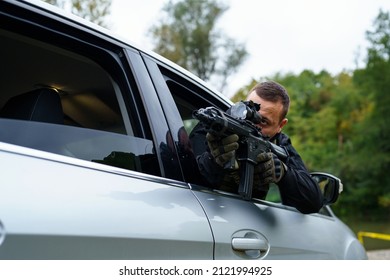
x: 296, y: 186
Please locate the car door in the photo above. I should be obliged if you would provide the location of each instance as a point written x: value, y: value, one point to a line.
x: 101, y: 183
x: 259, y: 229
x: 242, y: 229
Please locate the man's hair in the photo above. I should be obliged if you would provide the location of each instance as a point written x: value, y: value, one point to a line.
x: 273, y: 92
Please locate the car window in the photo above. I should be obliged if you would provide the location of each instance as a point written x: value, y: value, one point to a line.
x: 69, y: 100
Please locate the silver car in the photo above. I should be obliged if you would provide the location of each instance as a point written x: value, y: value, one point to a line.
x: 96, y: 161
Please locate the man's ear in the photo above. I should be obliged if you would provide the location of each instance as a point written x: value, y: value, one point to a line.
x: 282, y: 124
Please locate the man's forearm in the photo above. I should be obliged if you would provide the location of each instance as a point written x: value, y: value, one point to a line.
x: 299, y: 190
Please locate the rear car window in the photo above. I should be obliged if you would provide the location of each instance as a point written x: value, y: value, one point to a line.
x: 64, y: 102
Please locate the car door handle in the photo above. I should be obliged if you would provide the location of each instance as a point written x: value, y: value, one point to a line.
x: 243, y: 244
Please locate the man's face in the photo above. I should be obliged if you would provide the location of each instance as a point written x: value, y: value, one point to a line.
x: 270, y: 113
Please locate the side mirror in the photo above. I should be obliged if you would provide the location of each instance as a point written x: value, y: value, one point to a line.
x: 330, y: 186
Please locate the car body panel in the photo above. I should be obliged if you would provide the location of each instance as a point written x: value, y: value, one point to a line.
x: 87, y: 213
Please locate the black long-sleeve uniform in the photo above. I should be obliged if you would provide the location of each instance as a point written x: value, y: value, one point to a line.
x: 297, y: 188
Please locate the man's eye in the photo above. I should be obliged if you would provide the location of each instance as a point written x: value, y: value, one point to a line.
x: 264, y: 122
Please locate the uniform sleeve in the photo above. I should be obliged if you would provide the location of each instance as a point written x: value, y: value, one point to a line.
x: 297, y: 187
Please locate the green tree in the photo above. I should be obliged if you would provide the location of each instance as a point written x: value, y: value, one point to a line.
x: 92, y: 10
x: 371, y: 145
x: 187, y: 35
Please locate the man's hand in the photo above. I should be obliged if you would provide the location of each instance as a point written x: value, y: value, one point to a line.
x: 223, y: 149
x: 269, y: 169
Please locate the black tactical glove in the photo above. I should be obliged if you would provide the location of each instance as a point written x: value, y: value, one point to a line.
x: 223, y: 149
x: 269, y: 169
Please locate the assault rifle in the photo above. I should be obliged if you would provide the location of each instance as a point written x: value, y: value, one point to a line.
x: 241, y: 120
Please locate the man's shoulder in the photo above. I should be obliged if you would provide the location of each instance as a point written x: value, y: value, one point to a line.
x: 282, y: 139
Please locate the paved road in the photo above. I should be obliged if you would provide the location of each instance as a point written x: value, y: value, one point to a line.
x: 379, y: 255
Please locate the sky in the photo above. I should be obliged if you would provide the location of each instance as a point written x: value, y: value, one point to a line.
x: 280, y: 36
